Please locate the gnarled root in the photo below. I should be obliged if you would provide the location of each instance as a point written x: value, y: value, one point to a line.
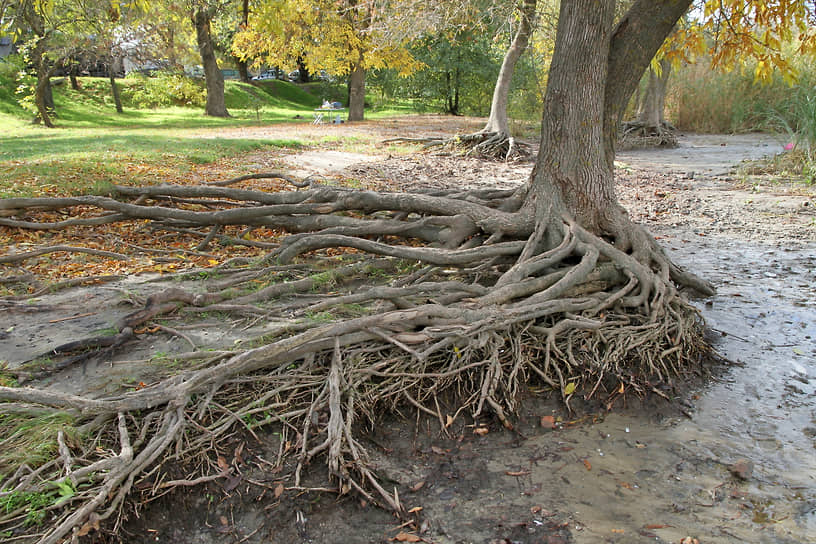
x: 489, y: 145
x: 464, y: 297
x: 636, y: 135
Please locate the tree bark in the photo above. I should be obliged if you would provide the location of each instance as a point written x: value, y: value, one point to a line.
x: 650, y: 112
x: 213, y: 77
x: 497, y: 121
x: 571, y: 172
x: 357, y: 92
x: 452, y: 92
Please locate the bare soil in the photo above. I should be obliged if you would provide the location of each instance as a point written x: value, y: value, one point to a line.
x: 732, y: 459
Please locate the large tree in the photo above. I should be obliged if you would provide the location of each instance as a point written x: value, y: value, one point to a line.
x: 551, y: 282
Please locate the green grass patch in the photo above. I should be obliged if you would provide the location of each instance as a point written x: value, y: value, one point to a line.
x: 31, y: 439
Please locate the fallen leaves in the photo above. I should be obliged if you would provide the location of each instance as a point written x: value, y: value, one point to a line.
x: 481, y: 431
x: 547, y: 422
x: 407, y: 537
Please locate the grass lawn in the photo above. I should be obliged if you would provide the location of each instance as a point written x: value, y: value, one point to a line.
x: 94, y: 147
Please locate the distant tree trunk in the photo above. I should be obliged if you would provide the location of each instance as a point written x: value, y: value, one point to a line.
x: 452, y: 92
x: 44, y: 99
x: 243, y: 69
x: 357, y: 92
x: 72, y: 75
x: 43, y: 96
x: 303, y: 72
x: 651, y: 110
x: 498, y: 121
x: 117, y: 100
x: 213, y: 77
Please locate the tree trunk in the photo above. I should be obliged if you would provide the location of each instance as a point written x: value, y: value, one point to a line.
x: 44, y: 98
x: 650, y: 113
x: 595, y: 70
x: 303, y: 73
x: 497, y: 121
x: 213, y: 77
x: 72, y: 75
x: 117, y: 100
x: 243, y: 68
x: 451, y: 95
x: 571, y: 161
x: 635, y: 41
x: 357, y: 93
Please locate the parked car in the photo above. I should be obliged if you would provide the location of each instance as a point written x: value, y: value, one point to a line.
x: 323, y: 75
x: 294, y: 75
x: 266, y: 74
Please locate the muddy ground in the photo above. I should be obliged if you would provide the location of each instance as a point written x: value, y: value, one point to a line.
x: 732, y: 460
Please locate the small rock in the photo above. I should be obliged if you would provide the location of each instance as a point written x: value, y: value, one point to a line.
x: 742, y: 469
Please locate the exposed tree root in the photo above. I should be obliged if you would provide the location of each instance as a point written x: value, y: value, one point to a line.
x: 495, y: 146
x: 636, y: 134
x: 458, y: 294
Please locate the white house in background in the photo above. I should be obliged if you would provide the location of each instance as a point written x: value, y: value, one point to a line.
x: 6, y: 46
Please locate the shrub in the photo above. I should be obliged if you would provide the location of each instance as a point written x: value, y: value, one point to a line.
x: 163, y: 89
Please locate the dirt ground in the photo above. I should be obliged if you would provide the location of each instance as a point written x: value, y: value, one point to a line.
x: 732, y: 460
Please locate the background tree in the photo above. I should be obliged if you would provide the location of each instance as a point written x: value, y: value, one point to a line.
x: 458, y: 68
x: 497, y: 121
x: 728, y: 35
x: 52, y: 31
x: 344, y: 38
x: 202, y: 13
x: 494, y: 140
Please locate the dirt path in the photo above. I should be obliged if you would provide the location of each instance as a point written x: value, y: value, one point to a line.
x: 638, y: 473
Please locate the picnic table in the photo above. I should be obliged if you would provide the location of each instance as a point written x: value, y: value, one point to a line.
x: 320, y: 115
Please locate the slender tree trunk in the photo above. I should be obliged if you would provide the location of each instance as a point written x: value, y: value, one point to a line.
x: 498, y: 121
x: 72, y: 75
x: 357, y: 93
x: 303, y: 73
x: 44, y: 99
x: 43, y: 95
x: 650, y: 113
x: 243, y: 68
x: 117, y: 100
x: 635, y: 41
x: 456, y: 80
x: 213, y: 77
x: 451, y: 106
